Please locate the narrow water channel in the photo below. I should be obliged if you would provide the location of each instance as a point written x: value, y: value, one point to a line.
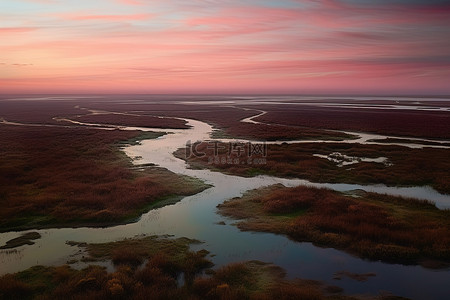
x: 196, y: 217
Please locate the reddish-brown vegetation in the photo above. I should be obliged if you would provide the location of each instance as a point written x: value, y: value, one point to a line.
x: 429, y: 166
x: 434, y: 124
x: 158, y: 278
x: 227, y: 119
x: 250, y: 280
x: 67, y: 175
x: 304, y: 121
x: 41, y: 112
x: 133, y: 120
x: 309, y: 121
x: 373, y: 226
x: 265, y: 132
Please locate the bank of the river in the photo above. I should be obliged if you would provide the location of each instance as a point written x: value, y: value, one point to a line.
x: 378, y: 227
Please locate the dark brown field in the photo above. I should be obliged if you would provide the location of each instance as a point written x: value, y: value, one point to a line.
x: 374, y: 226
x: 48, y: 112
x: 432, y: 124
x: 228, y: 120
x: 224, y: 118
x: 37, y: 112
x: 287, y: 121
x: 133, y: 120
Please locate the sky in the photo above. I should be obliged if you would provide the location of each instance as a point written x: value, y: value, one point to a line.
x: 225, y: 46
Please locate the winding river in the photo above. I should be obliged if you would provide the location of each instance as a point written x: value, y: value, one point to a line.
x: 196, y: 217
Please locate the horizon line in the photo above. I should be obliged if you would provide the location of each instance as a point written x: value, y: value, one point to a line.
x: 229, y: 94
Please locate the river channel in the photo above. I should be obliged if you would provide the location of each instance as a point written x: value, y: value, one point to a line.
x: 196, y: 217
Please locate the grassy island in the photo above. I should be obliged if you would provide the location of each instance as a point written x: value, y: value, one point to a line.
x: 162, y: 268
x: 369, y: 225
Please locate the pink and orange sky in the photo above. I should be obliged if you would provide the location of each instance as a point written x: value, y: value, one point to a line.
x: 225, y: 46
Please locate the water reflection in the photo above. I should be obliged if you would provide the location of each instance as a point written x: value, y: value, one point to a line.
x: 195, y: 217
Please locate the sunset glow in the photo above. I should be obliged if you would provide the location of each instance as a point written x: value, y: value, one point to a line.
x: 212, y: 46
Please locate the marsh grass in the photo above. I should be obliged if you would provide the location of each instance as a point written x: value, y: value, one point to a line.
x: 410, y: 167
x: 372, y: 226
x: 133, y: 120
x: 78, y: 176
x: 165, y: 259
x: 391, y: 122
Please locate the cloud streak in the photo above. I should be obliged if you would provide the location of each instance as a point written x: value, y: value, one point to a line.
x: 108, y: 18
x: 222, y: 46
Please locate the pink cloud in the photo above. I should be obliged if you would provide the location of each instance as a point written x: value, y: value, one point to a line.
x: 224, y: 44
x: 131, y: 2
x: 14, y: 30
x: 108, y: 18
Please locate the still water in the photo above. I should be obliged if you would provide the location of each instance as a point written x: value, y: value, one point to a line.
x: 196, y: 217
